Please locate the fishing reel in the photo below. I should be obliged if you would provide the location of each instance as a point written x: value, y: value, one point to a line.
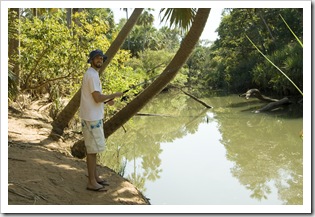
x: 124, y: 98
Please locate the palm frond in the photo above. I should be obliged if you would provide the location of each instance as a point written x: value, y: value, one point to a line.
x: 179, y: 17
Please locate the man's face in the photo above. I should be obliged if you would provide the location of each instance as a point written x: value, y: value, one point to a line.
x: 97, y: 62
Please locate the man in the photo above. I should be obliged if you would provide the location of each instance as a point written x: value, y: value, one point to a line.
x: 92, y: 114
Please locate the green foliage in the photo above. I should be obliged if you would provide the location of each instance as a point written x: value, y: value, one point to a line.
x: 169, y: 39
x: 149, y: 38
x: 51, y: 52
x: 141, y: 38
x: 54, y: 57
x: 104, y: 14
x: 297, y: 38
x: 288, y: 59
x: 198, y: 64
x: 146, y: 18
x: 150, y: 64
x: 235, y: 65
x: 120, y: 77
x: 145, y: 36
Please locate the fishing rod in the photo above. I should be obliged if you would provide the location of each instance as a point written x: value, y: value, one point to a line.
x: 132, y: 87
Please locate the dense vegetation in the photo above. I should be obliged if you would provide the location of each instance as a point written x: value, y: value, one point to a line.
x: 233, y: 64
x: 53, y: 52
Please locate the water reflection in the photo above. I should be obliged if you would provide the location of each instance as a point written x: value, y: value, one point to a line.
x: 173, y: 118
x: 265, y: 149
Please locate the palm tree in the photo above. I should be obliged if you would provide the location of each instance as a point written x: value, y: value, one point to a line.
x: 166, y: 76
x: 146, y: 19
x: 64, y: 117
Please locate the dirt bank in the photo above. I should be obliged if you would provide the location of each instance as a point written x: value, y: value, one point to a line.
x: 43, y: 172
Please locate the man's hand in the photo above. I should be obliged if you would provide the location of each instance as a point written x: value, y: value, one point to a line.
x: 110, y: 102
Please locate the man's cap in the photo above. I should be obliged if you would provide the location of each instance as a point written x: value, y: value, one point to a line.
x: 96, y: 52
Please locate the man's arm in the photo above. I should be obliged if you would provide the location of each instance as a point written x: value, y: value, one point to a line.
x: 98, y: 97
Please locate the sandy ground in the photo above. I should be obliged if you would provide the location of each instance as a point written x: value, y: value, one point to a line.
x: 42, y: 171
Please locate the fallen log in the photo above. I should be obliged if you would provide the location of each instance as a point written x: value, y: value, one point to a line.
x: 196, y: 99
x: 256, y: 93
x: 273, y: 105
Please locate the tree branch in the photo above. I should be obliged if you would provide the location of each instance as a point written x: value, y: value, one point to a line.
x: 46, y: 82
x: 196, y: 99
x: 41, y: 55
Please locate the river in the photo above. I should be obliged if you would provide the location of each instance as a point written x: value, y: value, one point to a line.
x: 185, y: 154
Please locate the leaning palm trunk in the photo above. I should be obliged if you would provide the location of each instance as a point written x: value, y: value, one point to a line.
x: 64, y: 117
x: 167, y: 75
x: 157, y: 86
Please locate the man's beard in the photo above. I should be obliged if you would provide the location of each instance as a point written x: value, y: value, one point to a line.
x: 98, y: 65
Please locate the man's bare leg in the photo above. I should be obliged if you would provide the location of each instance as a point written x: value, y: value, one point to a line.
x: 97, y: 177
x: 91, y: 166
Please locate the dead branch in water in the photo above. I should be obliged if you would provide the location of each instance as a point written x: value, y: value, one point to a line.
x: 149, y: 114
x: 196, y: 99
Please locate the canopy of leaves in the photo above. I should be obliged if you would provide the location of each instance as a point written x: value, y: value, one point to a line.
x: 145, y: 36
x: 53, y: 57
x: 233, y: 64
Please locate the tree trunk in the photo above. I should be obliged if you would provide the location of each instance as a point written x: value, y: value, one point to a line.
x: 14, y: 44
x: 267, y: 27
x: 64, y: 117
x: 34, y: 12
x: 69, y: 17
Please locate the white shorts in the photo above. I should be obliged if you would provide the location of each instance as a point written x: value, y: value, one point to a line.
x: 93, y: 134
